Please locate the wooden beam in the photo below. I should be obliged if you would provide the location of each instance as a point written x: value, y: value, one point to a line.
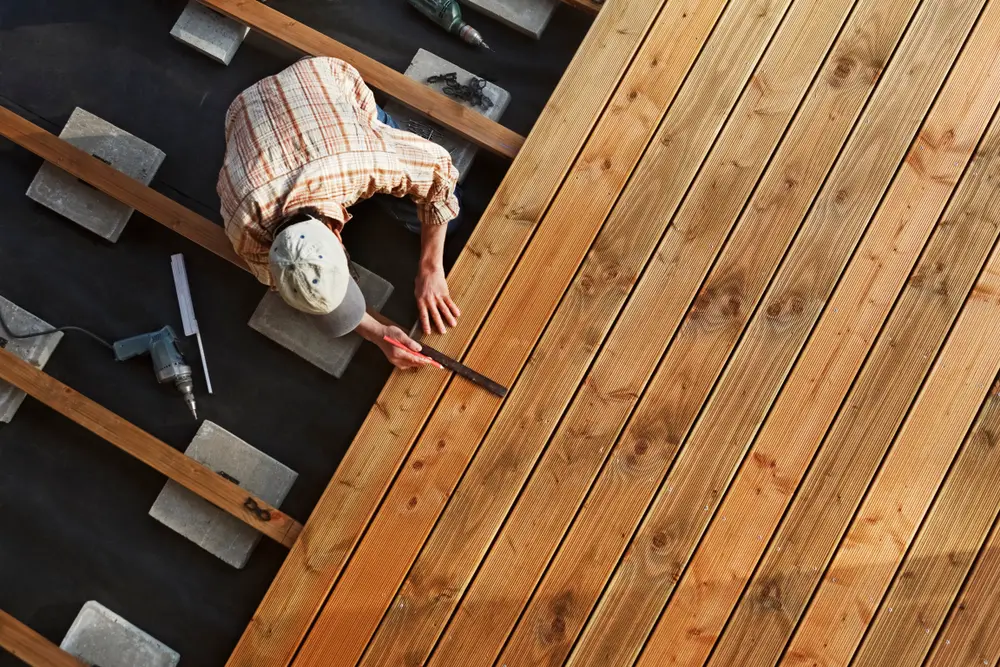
x: 384, y: 441
x: 481, y: 503
x: 27, y: 645
x: 115, y: 184
x: 467, y: 122
x: 155, y: 453
x: 589, y: 6
x: 890, y: 379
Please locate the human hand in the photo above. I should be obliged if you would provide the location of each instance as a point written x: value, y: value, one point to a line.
x: 434, y: 301
x: 399, y: 357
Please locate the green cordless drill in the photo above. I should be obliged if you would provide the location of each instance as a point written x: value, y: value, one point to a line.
x: 448, y: 15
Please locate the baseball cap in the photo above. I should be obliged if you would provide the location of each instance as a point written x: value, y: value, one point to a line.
x: 311, y: 273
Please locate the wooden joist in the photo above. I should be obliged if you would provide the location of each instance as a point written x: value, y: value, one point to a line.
x: 823, y: 376
x: 462, y: 120
x: 589, y: 6
x: 368, y: 468
x: 30, y: 647
x: 157, y: 454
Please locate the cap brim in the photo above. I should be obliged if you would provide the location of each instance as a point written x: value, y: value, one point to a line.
x: 346, y: 317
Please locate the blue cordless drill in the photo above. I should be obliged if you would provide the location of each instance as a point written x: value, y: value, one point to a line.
x: 168, y: 362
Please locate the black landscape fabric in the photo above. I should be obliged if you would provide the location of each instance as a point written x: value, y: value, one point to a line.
x: 73, y: 508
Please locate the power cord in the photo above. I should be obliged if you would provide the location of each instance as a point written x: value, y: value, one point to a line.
x: 22, y: 336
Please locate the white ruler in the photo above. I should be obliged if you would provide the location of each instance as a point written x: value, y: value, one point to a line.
x: 187, y: 309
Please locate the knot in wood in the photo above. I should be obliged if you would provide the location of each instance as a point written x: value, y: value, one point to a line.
x: 842, y: 70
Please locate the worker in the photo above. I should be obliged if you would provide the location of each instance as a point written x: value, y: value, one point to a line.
x: 301, y: 148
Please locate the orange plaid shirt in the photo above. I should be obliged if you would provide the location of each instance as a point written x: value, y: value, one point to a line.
x: 310, y: 137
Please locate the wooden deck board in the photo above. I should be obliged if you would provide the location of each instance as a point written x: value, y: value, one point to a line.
x: 24, y: 643
x: 793, y: 206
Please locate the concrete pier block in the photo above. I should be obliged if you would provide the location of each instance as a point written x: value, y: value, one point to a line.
x: 79, y: 201
x: 527, y: 16
x: 424, y: 65
x: 35, y: 351
x: 203, y: 523
x: 209, y: 32
x: 306, y: 335
x: 99, y: 636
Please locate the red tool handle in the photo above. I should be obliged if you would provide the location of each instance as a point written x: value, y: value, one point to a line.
x: 395, y: 342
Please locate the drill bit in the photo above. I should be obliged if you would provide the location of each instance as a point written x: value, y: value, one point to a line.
x: 185, y: 385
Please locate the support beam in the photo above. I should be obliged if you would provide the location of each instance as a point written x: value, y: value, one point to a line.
x: 464, y: 121
x: 25, y: 644
x: 589, y: 6
x: 143, y: 446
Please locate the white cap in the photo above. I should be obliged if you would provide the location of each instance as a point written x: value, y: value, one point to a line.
x: 311, y: 273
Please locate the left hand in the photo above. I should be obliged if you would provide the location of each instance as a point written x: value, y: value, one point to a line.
x: 434, y: 301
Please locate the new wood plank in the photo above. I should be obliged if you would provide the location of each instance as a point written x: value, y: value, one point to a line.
x: 971, y: 635
x: 490, y: 485
x: 24, y: 643
x: 823, y: 376
x: 578, y: 574
x: 154, y: 453
x: 567, y: 469
x: 457, y: 117
x: 669, y: 533
x: 868, y: 556
x: 115, y: 184
x: 403, y: 407
x: 932, y: 573
x: 519, y: 318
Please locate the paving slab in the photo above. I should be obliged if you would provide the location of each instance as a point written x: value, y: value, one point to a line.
x: 424, y: 65
x: 527, y: 16
x: 209, y: 32
x: 307, y: 335
x: 35, y: 351
x: 99, y: 636
x: 82, y: 203
x: 211, y: 528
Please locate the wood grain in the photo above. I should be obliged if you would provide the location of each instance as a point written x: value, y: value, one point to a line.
x: 35, y: 650
x: 971, y: 635
x: 519, y: 317
x: 929, y: 579
x: 823, y: 376
x: 589, y: 6
x: 157, y: 454
x: 365, y: 473
x: 462, y: 120
x: 665, y: 541
x: 780, y: 588
x: 868, y: 556
x: 491, y: 483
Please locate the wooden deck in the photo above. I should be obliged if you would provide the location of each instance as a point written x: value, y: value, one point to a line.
x: 743, y: 281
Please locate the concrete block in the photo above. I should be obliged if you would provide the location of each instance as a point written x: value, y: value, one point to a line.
x: 203, y: 523
x: 79, y: 201
x: 527, y: 16
x: 209, y: 32
x: 35, y: 351
x: 306, y: 335
x: 99, y: 636
x: 424, y: 65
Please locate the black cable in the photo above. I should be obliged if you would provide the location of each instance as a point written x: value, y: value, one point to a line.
x: 10, y: 332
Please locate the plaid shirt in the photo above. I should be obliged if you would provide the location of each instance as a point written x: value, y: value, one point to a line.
x: 310, y: 137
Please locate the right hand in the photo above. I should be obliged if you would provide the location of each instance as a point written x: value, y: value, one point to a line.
x: 398, y: 357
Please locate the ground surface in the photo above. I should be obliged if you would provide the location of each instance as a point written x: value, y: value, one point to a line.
x: 72, y: 508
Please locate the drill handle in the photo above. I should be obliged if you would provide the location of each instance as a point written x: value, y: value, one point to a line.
x: 139, y: 345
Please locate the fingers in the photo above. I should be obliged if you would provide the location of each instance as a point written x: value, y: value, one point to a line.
x: 454, y: 309
x: 425, y: 320
x: 435, y: 312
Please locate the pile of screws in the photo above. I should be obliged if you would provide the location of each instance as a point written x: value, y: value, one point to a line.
x: 471, y: 92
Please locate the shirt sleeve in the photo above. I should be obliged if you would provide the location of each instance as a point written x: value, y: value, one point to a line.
x: 362, y: 95
x: 431, y: 177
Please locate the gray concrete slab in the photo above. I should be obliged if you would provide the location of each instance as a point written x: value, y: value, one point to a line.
x: 306, y: 335
x: 35, y: 351
x: 80, y: 202
x: 203, y: 523
x: 527, y: 16
x: 209, y: 32
x: 99, y: 636
x: 424, y: 65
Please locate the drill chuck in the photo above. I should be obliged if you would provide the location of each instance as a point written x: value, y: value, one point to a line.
x: 168, y: 363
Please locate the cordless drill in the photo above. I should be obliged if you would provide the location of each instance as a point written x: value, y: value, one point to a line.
x: 448, y: 15
x: 168, y: 362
